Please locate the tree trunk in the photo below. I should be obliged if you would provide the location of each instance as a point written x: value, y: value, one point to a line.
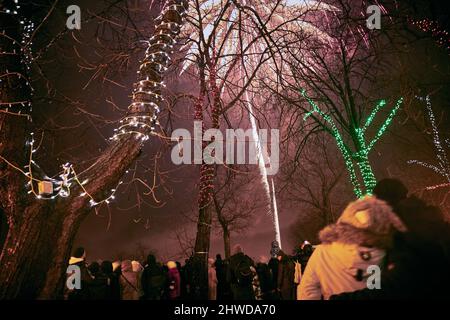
x: 207, y: 173
x: 367, y: 174
x: 226, y: 242
x: 201, y: 249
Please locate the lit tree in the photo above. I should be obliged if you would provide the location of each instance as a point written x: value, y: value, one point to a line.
x: 360, y: 154
x: 337, y: 80
x: 443, y: 165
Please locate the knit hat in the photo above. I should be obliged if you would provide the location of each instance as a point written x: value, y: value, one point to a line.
x: 368, y: 222
x: 171, y: 265
x: 126, y: 266
x: 136, y: 266
x: 116, y: 265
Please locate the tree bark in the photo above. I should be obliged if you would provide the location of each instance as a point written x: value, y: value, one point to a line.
x: 226, y: 242
x: 207, y: 174
x: 367, y: 175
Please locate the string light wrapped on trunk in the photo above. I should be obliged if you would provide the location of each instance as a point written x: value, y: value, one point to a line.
x: 361, y: 155
x: 142, y: 117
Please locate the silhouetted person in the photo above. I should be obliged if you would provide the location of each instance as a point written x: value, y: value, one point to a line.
x: 286, y: 271
x: 153, y: 279
x: 113, y: 292
x: 266, y: 282
x: 174, y: 281
x: 307, y: 250
x: 185, y: 280
x: 221, y: 277
x: 117, y: 271
x: 273, y: 266
x: 419, y: 260
x: 390, y: 190
x: 129, y: 282
x: 99, y: 285
x: 240, y: 275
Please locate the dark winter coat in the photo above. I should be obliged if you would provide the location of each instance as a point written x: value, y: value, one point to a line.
x: 153, y: 282
x: 239, y: 292
x: 273, y: 266
x: 286, y: 284
x: 114, y: 292
x: 100, y: 287
x: 266, y: 282
x: 223, y: 287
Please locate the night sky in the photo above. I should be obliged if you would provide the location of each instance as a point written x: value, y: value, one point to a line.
x: 77, y: 119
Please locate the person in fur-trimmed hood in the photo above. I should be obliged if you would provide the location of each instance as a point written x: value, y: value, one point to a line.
x: 356, y: 241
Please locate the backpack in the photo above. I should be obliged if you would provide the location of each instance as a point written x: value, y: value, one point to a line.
x: 243, y: 273
x: 157, y: 281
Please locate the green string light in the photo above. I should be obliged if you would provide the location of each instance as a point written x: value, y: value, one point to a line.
x: 361, y: 155
x: 374, y: 112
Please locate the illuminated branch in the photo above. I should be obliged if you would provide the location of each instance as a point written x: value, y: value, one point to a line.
x: 443, y: 166
x: 140, y: 120
x: 22, y: 48
x: 147, y: 94
x: 361, y: 154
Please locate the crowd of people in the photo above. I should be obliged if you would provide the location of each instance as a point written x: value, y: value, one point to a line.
x: 236, y: 278
x: 403, y: 237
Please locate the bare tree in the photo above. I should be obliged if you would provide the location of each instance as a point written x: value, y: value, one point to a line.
x: 235, y: 203
x: 315, y: 186
x: 213, y: 77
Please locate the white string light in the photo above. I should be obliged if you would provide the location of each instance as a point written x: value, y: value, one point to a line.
x: 60, y: 187
x: 142, y: 117
x: 26, y: 29
x: 443, y: 166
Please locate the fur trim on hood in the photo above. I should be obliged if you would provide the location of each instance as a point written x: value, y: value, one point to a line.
x: 367, y: 222
x: 126, y: 266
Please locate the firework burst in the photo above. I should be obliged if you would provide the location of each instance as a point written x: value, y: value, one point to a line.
x: 246, y: 37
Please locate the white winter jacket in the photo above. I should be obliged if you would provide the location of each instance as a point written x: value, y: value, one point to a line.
x: 333, y: 269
